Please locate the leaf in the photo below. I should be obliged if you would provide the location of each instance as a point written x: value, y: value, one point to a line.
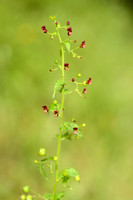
x: 54, y: 107
x: 56, y: 87
x: 59, y: 195
x: 67, y: 45
x: 67, y: 135
x: 72, y: 172
x: 48, y: 196
x: 42, y: 171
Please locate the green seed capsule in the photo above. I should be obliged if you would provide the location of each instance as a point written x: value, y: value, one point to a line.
x: 41, y: 152
x: 26, y: 189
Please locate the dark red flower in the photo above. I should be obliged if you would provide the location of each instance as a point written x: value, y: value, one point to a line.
x: 44, y: 29
x: 68, y: 23
x: 84, y: 90
x: 50, y: 70
x: 75, y: 130
x: 73, y: 79
x: 56, y: 113
x: 69, y: 31
x: 83, y: 44
x: 45, y: 109
x: 74, y: 41
x: 89, y: 81
x: 66, y: 66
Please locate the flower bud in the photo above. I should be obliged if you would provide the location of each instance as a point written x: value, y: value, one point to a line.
x: 77, y: 178
x: 79, y: 75
x: 55, y: 102
x: 56, y: 61
x: 29, y: 197
x: 55, y: 158
x: 23, y: 197
x: 26, y: 189
x: 35, y: 161
x: 73, y: 79
x: 83, y: 124
x: 64, y: 172
x: 41, y: 152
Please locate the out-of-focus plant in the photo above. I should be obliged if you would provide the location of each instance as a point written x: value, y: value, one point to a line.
x: 68, y: 129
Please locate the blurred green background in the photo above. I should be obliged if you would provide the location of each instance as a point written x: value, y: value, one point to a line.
x: 104, y: 157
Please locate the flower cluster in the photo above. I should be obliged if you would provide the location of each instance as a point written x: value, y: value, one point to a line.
x: 46, y: 110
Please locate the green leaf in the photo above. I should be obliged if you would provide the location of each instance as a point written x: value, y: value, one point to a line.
x: 72, y: 172
x: 57, y: 85
x: 54, y: 107
x: 67, y: 135
x: 67, y: 45
x: 48, y: 196
x: 59, y: 195
x: 42, y: 171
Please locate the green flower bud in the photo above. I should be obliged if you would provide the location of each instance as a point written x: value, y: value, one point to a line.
x: 64, y: 172
x: 55, y: 158
x: 77, y: 178
x: 79, y: 75
x: 56, y: 61
x: 35, y: 161
x: 41, y: 152
x: 26, y: 189
x: 83, y: 124
x: 23, y: 197
x: 55, y: 102
x: 29, y: 197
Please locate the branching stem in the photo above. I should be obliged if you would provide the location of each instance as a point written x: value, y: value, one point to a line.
x: 61, y: 120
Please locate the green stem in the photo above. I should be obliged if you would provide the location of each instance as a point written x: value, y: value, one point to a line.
x: 61, y: 121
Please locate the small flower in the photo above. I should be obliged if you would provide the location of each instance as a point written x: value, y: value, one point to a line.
x: 83, y: 44
x: 74, y: 41
x: 75, y: 130
x: 89, y: 81
x: 56, y: 113
x: 44, y: 29
x: 66, y: 66
x: 73, y: 79
x: 68, y: 23
x: 56, y: 23
x: 50, y: 70
x: 45, y: 109
x: 84, y: 91
x: 69, y: 30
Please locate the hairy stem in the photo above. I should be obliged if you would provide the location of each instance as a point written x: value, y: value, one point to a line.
x: 61, y: 121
